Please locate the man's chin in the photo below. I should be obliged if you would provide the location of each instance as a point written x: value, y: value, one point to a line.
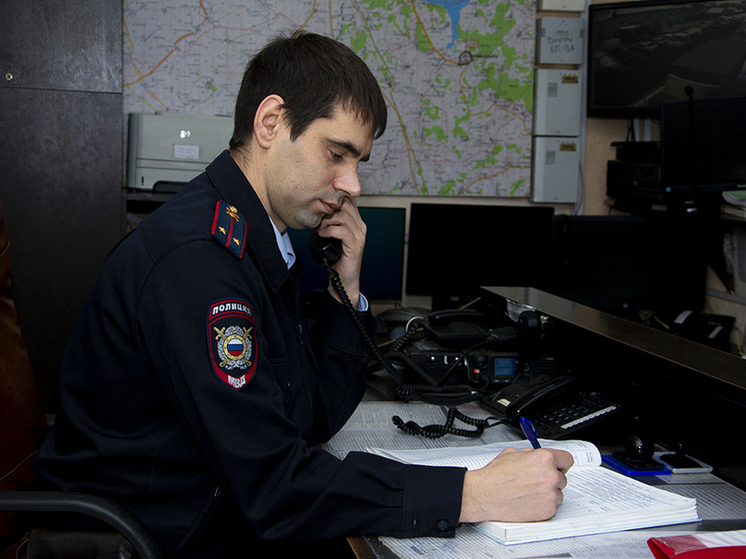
x: 308, y: 222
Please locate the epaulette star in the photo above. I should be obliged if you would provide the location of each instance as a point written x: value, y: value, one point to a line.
x: 229, y: 228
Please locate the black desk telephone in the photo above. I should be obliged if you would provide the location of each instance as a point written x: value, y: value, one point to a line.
x: 557, y: 405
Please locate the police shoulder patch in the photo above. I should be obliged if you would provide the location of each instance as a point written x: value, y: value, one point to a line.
x: 231, y: 336
x: 229, y: 228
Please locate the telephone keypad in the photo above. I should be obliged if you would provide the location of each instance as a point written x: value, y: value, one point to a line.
x: 573, y: 415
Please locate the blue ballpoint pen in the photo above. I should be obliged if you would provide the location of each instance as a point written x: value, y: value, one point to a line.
x: 529, y: 430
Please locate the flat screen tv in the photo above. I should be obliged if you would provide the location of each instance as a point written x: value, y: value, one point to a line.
x: 642, y: 53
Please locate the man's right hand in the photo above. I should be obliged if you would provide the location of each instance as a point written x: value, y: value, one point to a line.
x: 517, y: 486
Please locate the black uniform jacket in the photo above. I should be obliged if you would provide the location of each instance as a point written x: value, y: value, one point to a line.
x: 193, y: 391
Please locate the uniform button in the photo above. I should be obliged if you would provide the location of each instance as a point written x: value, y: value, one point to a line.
x: 443, y: 525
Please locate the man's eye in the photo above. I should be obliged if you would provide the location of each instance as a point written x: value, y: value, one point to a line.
x: 337, y: 156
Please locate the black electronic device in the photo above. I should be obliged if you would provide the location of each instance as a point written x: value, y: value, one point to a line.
x: 638, y: 456
x: 703, y: 145
x: 636, y: 174
x: 679, y: 460
x: 642, y: 53
x: 479, y: 368
x: 713, y: 330
x: 326, y: 251
x: 460, y: 348
x: 638, y: 152
x: 558, y: 405
x: 626, y: 264
x: 454, y: 249
x: 635, y: 180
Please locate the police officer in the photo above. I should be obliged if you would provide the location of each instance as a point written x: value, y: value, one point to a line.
x: 194, y: 392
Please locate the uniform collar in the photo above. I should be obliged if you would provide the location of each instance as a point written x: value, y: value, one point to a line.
x: 284, y: 244
x: 234, y: 188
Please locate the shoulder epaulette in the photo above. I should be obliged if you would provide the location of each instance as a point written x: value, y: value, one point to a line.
x: 229, y: 228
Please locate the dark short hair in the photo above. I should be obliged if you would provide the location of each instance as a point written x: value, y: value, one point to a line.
x: 313, y: 74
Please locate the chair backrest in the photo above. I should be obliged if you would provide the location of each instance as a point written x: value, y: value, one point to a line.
x: 23, y: 424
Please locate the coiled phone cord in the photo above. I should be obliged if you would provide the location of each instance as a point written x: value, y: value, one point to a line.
x: 437, y: 431
x: 377, y: 353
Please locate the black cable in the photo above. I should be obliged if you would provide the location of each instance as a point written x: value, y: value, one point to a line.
x: 407, y: 338
x: 377, y: 353
x: 398, y: 344
x: 405, y: 360
x: 436, y: 431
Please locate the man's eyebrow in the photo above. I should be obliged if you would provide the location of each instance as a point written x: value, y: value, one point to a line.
x: 349, y: 147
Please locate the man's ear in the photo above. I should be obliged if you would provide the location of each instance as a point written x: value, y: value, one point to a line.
x: 267, y: 119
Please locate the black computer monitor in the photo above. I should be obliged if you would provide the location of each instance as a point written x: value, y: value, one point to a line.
x: 624, y: 264
x: 702, y: 142
x: 456, y: 248
x: 381, y: 276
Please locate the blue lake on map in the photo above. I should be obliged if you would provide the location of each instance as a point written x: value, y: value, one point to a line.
x: 453, y: 7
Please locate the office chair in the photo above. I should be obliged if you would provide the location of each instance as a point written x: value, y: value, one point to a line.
x: 23, y: 426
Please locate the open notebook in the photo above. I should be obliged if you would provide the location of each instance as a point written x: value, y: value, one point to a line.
x: 596, y: 499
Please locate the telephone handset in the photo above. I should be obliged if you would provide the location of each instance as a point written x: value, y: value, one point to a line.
x: 557, y: 405
x: 324, y: 249
x: 456, y: 327
x: 523, y: 397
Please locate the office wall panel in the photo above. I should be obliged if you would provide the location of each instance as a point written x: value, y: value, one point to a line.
x: 66, y: 44
x: 61, y: 186
x: 60, y: 162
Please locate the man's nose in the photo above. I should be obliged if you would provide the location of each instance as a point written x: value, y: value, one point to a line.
x: 349, y: 183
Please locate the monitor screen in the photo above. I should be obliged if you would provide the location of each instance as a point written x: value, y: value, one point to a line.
x: 381, y: 276
x: 454, y: 249
x: 642, y: 53
x: 703, y: 143
x: 619, y: 264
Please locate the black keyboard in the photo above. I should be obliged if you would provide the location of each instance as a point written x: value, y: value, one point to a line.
x: 561, y: 421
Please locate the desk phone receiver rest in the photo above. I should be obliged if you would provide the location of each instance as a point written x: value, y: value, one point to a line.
x: 524, y: 397
x: 557, y: 404
x: 456, y: 327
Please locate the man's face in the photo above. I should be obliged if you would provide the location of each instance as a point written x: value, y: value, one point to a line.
x: 310, y: 177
